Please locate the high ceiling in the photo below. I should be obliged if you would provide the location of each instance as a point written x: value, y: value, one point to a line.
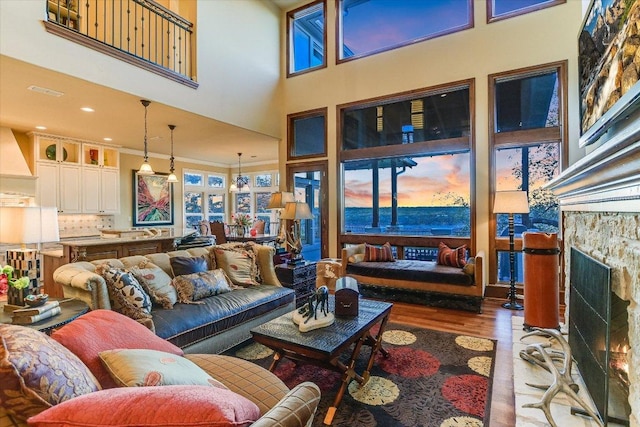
x: 120, y: 116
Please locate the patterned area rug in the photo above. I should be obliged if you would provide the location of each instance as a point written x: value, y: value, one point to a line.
x: 431, y: 378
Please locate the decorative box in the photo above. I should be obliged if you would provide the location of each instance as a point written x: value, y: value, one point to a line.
x: 347, y: 297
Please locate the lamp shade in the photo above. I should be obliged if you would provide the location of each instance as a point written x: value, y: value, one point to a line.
x: 279, y: 199
x: 511, y: 202
x: 28, y: 224
x: 296, y: 210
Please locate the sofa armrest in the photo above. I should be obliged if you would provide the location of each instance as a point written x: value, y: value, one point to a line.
x: 348, y: 252
x: 478, y: 272
x: 296, y: 409
x: 79, y: 280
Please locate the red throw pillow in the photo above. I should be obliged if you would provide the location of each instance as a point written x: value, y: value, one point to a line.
x: 378, y: 253
x: 169, y: 405
x: 101, y: 330
x: 452, y: 257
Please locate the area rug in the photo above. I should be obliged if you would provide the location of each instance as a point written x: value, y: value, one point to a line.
x: 431, y: 379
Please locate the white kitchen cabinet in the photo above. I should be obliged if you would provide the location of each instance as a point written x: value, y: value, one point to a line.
x: 77, y: 176
x: 101, y: 191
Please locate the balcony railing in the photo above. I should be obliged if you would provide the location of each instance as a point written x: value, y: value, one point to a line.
x: 140, y: 32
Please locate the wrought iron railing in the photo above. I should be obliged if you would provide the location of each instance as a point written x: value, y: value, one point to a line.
x: 141, y: 28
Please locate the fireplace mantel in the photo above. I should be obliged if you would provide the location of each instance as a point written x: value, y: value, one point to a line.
x: 607, y: 179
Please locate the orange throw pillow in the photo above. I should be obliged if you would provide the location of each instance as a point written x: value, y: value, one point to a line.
x: 378, y: 253
x: 452, y: 257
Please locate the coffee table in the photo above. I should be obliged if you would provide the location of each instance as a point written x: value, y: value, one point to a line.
x: 323, y: 347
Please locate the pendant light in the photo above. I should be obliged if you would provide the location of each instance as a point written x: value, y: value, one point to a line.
x: 172, y: 175
x: 145, y: 168
x: 241, y: 183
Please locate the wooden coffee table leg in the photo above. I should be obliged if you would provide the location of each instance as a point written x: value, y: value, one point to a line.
x: 348, y: 374
x: 276, y: 359
x: 376, y: 346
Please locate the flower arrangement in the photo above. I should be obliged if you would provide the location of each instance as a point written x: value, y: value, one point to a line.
x: 6, y: 280
x: 241, y: 219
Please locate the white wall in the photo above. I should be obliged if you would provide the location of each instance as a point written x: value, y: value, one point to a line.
x: 541, y: 37
x: 237, y: 55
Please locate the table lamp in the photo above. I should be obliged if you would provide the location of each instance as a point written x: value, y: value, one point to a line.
x: 511, y: 202
x: 296, y: 211
x: 27, y: 225
x: 278, y: 201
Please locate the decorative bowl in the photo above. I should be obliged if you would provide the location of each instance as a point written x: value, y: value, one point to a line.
x: 36, y: 300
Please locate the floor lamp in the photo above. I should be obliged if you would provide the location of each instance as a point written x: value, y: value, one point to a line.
x: 511, y: 202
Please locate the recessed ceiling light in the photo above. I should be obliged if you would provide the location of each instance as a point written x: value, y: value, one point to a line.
x: 45, y: 91
x: 87, y: 109
x: 41, y: 127
x: 107, y: 139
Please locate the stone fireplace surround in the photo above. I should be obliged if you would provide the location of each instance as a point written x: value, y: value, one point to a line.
x: 600, y: 201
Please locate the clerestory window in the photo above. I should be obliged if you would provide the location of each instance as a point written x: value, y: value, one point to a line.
x: 306, y: 35
x: 369, y: 27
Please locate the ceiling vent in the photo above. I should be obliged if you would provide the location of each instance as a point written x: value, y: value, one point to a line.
x: 45, y: 91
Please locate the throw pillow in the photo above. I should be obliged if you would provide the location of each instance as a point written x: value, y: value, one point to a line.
x: 378, y: 253
x: 194, y: 287
x: 36, y: 372
x: 143, y: 368
x: 168, y: 406
x: 182, y: 265
x: 356, y: 258
x: 239, y: 264
x: 156, y: 283
x: 101, y: 330
x: 470, y: 267
x: 125, y: 293
x: 452, y: 257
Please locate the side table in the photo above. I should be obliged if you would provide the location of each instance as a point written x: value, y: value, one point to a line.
x: 300, y: 277
x: 70, y: 310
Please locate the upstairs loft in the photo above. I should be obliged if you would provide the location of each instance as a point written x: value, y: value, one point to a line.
x: 140, y: 32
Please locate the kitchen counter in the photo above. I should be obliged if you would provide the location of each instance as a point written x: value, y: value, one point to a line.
x: 117, y: 247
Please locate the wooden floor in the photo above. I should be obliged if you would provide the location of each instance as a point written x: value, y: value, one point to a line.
x: 494, y: 322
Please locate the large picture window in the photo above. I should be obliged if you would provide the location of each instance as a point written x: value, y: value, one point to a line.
x: 306, y: 33
x: 369, y: 27
x: 204, y: 197
x: 528, y: 143
x: 406, y: 168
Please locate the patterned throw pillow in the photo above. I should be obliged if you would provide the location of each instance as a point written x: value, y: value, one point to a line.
x: 101, y: 330
x: 239, y: 264
x: 156, y: 283
x: 452, y: 257
x: 378, y: 253
x: 142, y: 368
x: 182, y: 265
x: 126, y: 294
x: 36, y: 372
x: 168, y: 406
x: 194, y: 287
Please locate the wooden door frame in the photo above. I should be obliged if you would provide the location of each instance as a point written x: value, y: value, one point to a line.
x: 323, y: 167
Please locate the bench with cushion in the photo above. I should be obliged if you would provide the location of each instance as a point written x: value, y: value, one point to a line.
x: 426, y: 282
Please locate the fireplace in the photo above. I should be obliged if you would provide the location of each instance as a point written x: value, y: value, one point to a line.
x: 599, y: 196
x: 598, y: 336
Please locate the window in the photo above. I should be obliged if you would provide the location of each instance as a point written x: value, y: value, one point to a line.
x: 306, y: 32
x: 503, y: 9
x: 307, y: 134
x: 528, y: 149
x: 203, y: 202
x: 407, y: 165
x: 369, y: 27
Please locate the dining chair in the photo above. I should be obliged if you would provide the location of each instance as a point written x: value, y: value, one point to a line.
x: 217, y: 229
x: 259, y: 226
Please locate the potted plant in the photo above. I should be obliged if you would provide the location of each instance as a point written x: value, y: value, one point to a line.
x: 242, y: 222
x: 17, y: 289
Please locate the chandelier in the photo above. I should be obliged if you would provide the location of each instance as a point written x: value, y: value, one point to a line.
x: 241, y: 183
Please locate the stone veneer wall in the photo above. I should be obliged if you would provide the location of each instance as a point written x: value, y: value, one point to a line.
x: 614, y: 240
